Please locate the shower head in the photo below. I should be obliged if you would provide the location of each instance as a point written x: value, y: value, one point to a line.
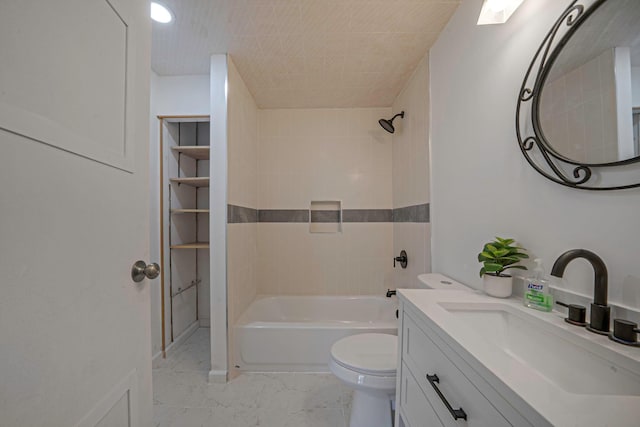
x: 388, y: 124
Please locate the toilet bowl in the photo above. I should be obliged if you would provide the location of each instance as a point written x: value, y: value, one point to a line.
x: 367, y: 364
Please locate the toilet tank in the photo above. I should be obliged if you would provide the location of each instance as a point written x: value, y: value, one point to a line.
x: 438, y: 281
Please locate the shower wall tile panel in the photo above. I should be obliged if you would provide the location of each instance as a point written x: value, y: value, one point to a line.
x: 411, y: 141
x: 292, y: 261
x: 242, y: 194
x: 411, y: 228
x: 309, y: 155
x: 242, y: 143
x: 413, y: 237
x: 324, y: 154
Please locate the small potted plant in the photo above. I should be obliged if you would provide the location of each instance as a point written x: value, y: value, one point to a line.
x: 496, y: 257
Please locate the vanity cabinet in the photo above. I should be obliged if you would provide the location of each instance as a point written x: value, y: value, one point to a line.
x: 431, y: 375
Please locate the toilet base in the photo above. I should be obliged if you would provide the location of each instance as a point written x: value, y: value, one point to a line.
x: 371, y: 410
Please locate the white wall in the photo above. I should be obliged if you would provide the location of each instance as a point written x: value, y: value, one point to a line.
x: 635, y: 86
x: 170, y: 95
x: 218, y: 217
x: 410, y: 167
x: 481, y: 183
x: 182, y: 95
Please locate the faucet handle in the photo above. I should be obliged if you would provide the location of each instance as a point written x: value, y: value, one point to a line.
x: 625, y: 332
x: 402, y: 259
x: 577, y: 314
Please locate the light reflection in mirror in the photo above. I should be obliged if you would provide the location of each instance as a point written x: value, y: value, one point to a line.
x: 589, y: 104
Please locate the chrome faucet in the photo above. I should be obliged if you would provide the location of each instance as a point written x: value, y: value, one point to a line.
x: 600, y: 311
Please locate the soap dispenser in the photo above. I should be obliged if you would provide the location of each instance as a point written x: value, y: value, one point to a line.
x: 537, y: 294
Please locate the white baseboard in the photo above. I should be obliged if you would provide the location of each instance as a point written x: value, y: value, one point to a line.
x: 156, y: 358
x: 171, y: 348
x: 218, y: 377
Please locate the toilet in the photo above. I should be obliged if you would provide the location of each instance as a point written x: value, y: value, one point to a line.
x: 367, y: 363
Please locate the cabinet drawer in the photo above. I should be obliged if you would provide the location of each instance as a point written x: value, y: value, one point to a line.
x: 416, y: 409
x: 423, y: 357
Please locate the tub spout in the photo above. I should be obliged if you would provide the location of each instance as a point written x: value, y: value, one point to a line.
x: 390, y: 293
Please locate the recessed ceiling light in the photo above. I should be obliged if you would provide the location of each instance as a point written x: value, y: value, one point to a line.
x: 160, y: 13
x: 497, y: 11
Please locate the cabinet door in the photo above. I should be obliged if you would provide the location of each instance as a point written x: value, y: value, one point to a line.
x: 416, y: 410
x: 423, y: 357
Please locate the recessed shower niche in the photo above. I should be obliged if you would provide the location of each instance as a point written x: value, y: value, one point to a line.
x: 325, y: 216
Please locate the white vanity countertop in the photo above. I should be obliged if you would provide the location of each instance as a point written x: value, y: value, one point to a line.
x: 555, y: 404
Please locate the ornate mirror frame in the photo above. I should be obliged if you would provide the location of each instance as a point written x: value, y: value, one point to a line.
x: 538, y: 152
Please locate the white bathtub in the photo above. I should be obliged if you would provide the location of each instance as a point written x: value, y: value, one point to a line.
x: 295, y: 334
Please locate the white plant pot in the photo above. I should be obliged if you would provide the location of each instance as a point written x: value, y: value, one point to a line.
x: 498, y: 286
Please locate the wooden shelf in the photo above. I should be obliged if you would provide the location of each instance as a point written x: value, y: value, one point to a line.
x: 193, y: 245
x: 185, y: 211
x: 193, y: 182
x: 185, y: 119
x: 198, y: 152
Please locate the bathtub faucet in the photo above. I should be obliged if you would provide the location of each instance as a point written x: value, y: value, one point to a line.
x: 390, y: 293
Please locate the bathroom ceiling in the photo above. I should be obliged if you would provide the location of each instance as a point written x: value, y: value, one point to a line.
x: 304, y: 53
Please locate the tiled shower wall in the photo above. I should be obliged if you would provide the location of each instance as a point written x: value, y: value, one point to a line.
x: 412, y: 232
x: 309, y: 155
x: 242, y: 182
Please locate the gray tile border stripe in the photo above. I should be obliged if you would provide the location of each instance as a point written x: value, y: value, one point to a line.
x: 367, y: 215
x: 415, y: 213
x: 283, y: 215
x: 241, y: 214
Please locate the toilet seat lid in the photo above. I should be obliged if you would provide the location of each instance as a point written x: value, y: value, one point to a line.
x: 375, y: 354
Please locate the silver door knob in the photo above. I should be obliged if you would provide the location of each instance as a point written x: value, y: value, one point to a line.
x: 140, y: 270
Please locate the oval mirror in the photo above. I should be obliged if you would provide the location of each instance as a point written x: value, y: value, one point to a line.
x: 590, y: 100
x: 578, y: 113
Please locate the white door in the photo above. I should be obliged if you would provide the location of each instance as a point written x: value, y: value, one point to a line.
x: 74, y: 327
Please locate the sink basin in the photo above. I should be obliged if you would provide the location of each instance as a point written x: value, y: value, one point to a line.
x: 561, y: 357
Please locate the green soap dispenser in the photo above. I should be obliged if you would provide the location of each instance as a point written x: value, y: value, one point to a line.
x: 537, y: 294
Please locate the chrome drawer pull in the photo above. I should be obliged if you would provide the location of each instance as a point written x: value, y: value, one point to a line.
x: 455, y: 413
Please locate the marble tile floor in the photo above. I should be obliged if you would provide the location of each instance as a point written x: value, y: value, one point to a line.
x: 183, y: 398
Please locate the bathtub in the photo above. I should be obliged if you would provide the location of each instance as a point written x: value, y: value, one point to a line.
x: 295, y: 333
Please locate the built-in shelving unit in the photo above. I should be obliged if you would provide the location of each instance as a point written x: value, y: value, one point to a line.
x: 188, y: 211
x: 194, y: 151
x: 191, y: 181
x: 185, y: 154
x: 194, y: 245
